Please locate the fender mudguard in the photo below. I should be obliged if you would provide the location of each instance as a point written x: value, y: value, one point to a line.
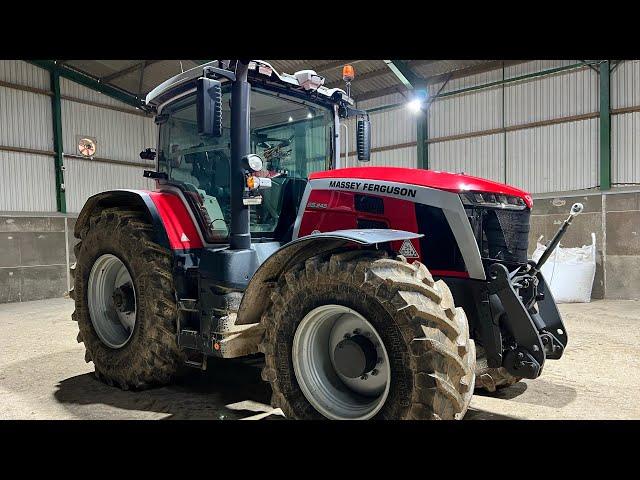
x: 256, y: 296
x: 173, y: 226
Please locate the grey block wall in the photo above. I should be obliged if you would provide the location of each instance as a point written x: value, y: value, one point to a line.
x: 622, y: 268
x: 615, y: 219
x: 33, y: 257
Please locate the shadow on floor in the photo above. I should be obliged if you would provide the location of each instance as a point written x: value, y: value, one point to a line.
x: 507, y: 393
x: 199, y: 395
x: 535, y: 392
x: 476, y: 414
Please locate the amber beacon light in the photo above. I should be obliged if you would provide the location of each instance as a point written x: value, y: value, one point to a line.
x: 348, y: 73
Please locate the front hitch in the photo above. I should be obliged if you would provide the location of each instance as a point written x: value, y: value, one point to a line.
x: 530, y: 315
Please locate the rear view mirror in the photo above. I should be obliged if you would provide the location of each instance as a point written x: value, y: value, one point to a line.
x: 209, y: 107
x: 363, y: 139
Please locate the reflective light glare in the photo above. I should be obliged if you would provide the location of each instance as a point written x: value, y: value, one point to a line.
x: 309, y: 115
x: 291, y: 119
x: 414, y: 105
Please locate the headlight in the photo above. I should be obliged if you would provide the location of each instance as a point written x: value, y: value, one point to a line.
x: 492, y: 200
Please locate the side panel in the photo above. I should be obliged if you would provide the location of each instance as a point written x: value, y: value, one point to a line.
x: 333, y: 203
x: 329, y: 210
x: 181, y: 230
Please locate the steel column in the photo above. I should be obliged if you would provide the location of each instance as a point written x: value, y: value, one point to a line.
x: 240, y: 235
x: 56, y: 112
x: 422, y: 138
x: 605, y: 126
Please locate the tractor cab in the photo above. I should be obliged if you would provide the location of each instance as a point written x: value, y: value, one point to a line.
x: 293, y: 129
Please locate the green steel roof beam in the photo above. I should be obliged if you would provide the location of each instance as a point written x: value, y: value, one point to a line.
x: 125, y: 71
x: 92, y: 82
x: 404, y: 73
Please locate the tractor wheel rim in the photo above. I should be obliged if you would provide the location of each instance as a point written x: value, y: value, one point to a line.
x: 112, y: 301
x: 328, y: 378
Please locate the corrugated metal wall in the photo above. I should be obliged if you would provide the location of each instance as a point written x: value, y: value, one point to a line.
x: 557, y: 157
x: 554, y: 158
x: 26, y: 183
x: 502, y: 138
x: 85, y: 178
x: 540, y: 159
x: 625, y: 127
x: 119, y: 136
x: 480, y: 156
x: 26, y: 122
x: 389, y: 128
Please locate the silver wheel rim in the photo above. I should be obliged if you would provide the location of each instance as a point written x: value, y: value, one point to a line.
x: 112, y: 301
x: 331, y: 393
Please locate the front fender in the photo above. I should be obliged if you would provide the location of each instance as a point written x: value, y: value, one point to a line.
x: 256, y: 297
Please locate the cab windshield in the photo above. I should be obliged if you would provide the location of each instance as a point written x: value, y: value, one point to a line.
x: 294, y: 139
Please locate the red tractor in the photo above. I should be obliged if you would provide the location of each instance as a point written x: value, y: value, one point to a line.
x: 372, y: 292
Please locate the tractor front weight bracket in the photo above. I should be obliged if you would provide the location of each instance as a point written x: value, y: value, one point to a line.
x: 526, y: 357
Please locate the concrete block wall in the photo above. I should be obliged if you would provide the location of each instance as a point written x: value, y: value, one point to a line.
x: 34, y: 256
x: 622, y: 234
x: 614, y: 217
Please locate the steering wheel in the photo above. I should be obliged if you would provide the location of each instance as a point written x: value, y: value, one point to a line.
x: 269, y: 143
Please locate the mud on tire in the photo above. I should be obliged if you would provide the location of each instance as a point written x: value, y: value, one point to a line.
x: 151, y: 356
x: 492, y: 379
x: 432, y: 358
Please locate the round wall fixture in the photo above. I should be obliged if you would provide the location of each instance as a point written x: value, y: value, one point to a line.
x: 87, y: 147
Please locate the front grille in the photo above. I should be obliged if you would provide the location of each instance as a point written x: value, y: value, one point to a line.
x: 501, y: 234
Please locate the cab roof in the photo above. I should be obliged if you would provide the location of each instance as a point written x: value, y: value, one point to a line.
x: 257, y: 68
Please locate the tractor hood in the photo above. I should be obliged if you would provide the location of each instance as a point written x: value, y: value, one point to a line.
x: 451, y: 182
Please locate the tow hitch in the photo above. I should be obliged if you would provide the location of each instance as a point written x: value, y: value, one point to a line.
x: 529, y: 312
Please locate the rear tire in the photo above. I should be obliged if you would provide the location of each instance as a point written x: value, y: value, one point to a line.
x: 432, y: 358
x: 150, y: 356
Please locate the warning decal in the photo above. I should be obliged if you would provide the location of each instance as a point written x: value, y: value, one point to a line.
x: 407, y: 250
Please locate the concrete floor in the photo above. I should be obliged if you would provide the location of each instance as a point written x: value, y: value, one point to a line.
x: 43, y: 375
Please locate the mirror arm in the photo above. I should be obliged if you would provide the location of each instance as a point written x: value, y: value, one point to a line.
x: 349, y: 111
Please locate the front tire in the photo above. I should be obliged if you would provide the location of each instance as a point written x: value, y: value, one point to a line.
x: 139, y: 348
x: 425, y: 337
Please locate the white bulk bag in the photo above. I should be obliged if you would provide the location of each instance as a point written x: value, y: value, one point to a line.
x: 569, y: 272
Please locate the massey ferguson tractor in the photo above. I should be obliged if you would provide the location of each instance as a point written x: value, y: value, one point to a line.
x: 371, y: 292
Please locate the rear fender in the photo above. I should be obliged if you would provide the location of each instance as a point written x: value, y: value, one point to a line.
x: 256, y: 297
x: 173, y: 227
